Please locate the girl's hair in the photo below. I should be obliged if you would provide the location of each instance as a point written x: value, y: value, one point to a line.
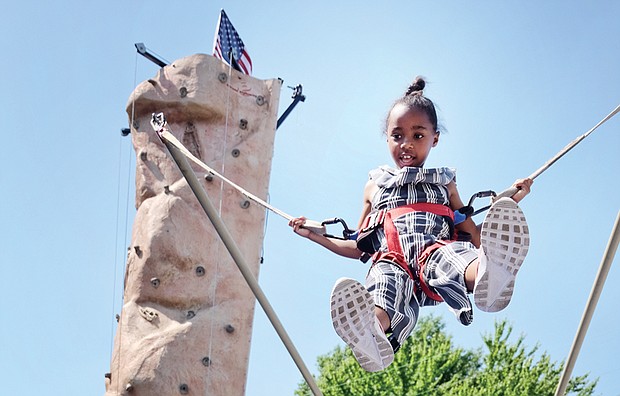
x: 414, y: 99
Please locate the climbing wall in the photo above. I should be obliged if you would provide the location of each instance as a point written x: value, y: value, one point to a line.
x: 186, y: 323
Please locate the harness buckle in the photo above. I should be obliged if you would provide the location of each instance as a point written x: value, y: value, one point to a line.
x: 373, y: 220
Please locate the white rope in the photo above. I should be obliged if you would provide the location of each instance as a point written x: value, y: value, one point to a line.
x: 116, y: 375
x: 217, y: 246
x: 573, y: 144
x: 238, y: 258
x: 512, y: 190
x: 165, y: 133
x: 118, y: 210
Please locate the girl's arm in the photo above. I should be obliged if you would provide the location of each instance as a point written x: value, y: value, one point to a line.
x: 338, y: 246
x: 343, y: 248
x: 524, y: 186
x: 468, y: 225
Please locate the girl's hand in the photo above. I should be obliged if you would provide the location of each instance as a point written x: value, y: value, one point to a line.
x: 523, y: 185
x: 297, y: 224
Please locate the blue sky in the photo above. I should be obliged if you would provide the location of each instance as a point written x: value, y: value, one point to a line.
x: 515, y: 81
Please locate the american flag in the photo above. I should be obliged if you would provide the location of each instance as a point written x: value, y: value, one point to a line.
x: 227, y: 42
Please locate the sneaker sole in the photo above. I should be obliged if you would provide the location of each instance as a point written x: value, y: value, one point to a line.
x: 505, y: 239
x: 353, y: 317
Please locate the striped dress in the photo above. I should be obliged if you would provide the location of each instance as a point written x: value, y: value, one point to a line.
x: 406, y: 186
x: 392, y: 289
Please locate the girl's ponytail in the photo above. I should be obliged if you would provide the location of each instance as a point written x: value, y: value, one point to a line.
x: 416, y: 87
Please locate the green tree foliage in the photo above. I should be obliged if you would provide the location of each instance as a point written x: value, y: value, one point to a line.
x: 429, y: 364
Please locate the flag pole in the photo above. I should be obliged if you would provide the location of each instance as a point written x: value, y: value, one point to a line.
x: 233, y: 62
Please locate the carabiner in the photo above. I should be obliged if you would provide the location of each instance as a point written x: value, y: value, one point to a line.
x: 347, y: 233
x: 468, y: 211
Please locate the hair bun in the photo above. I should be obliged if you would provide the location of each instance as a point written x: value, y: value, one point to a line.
x: 416, y: 87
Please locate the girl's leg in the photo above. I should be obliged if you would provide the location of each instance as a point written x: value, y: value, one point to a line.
x: 470, y: 275
x: 396, y: 304
x: 383, y: 317
x: 446, y: 271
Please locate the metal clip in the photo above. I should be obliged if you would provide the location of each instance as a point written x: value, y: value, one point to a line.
x: 347, y: 233
x: 481, y: 194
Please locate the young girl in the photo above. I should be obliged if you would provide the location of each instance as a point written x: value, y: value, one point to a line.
x: 420, y: 256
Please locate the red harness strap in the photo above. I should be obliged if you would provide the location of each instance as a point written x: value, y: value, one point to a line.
x: 395, y: 250
x: 422, y: 263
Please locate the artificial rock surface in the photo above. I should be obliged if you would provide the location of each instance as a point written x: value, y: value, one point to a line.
x: 186, y: 322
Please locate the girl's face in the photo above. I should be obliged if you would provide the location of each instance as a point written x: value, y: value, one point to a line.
x: 410, y: 136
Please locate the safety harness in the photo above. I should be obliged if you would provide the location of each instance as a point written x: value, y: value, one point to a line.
x: 385, y: 218
x: 369, y: 244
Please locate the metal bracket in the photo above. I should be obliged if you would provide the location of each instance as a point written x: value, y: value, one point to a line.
x: 297, y: 97
x: 142, y: 50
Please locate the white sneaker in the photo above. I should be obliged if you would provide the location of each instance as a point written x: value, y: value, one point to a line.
x: 354, y: 319
x: 504, y: 240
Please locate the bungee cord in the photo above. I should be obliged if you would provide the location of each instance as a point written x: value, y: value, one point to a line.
x: 181, y: 160
x: 161, y: 127
x: 511, y: 191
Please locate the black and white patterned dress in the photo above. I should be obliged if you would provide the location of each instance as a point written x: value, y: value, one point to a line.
x: 391, y: 287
